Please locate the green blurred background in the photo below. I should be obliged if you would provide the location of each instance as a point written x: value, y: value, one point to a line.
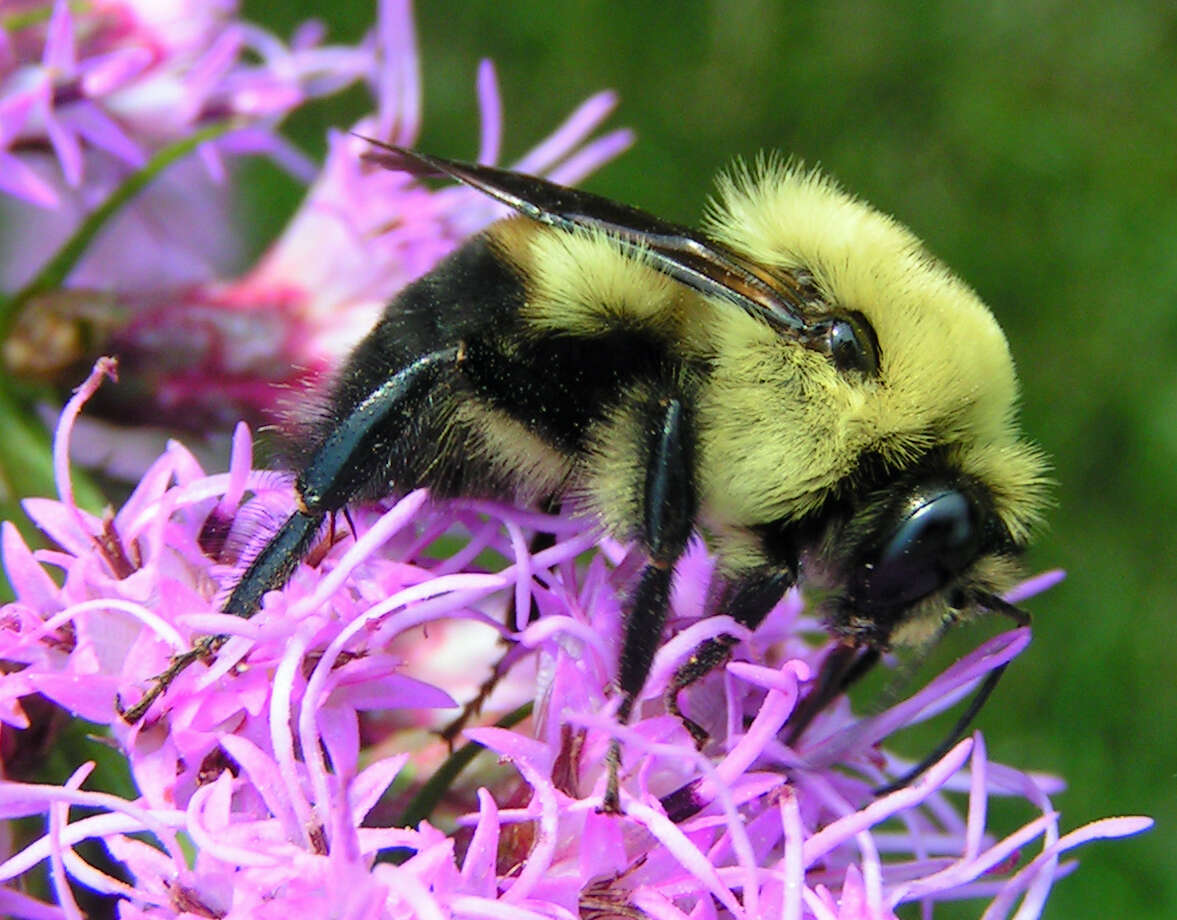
x: 1032, y: 146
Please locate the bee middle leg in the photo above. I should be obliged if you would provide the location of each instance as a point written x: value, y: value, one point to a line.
x: 668, y: 517
x: 844, y: 666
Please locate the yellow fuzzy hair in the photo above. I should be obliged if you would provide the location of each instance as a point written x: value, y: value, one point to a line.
x: 945, y: 378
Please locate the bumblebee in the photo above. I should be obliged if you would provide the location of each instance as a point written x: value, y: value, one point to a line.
x: 800, y: 383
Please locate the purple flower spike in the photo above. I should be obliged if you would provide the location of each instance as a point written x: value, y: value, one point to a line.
x: 284, y: 763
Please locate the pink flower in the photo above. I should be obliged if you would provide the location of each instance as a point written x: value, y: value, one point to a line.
x: 360, y: 236
x: 302, y: 771
x: 275, y: 761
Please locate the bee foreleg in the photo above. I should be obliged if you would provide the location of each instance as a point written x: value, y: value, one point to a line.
x: 988, y: 685
x: 668, y: 517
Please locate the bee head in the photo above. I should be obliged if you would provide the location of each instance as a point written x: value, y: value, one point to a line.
x: 912, y: 556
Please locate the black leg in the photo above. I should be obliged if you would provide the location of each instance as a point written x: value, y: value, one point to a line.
x: 336, y: 472
x: 843, y: 666
x: 338, y: 468
x: 668, y: 516
x: 643, y: 634
x: 274, y: 565
x: 988, y: 685
x: 748, y: 601
x: 958, y: 730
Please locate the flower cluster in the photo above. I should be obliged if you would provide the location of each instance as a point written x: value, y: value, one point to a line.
x: 91, y: 92
x: 286, y: 763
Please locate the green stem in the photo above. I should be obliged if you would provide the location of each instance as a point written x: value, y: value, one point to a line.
x: 428, y: 797
x: 53, y: 274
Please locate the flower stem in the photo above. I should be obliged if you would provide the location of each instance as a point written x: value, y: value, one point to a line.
x: 434, y: 789
x: 426, y: 799
x: 53, y: 274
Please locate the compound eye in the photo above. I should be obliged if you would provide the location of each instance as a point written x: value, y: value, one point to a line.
x: 932, y: 544
x: 852, y: 344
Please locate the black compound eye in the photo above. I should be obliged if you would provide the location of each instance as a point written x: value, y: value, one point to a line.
x: 929, y: 546
x: 852, y: 344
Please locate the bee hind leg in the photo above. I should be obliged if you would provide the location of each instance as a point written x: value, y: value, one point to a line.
x: 332, y: 477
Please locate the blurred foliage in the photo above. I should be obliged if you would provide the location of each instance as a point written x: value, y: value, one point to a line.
x: 1031, y: 144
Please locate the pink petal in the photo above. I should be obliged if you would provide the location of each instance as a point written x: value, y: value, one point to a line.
x: 478, y: 869
x: 96, y: 127
x: 68, y: 149
x: 265, y: 778
x: 60, y: 55
x: 490, y: 108
x: 373, y: 782
x: 106, y: 73
x: 29, y: 581
x: 19, y: 180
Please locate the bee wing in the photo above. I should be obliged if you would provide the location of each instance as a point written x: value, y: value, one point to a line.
x: 684, y: 254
